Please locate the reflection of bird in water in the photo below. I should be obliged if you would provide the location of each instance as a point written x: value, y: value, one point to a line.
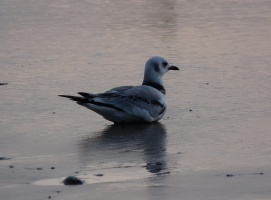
x: 128, y: 144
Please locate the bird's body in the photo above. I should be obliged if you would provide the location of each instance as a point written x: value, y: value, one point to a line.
x: 132, y: 104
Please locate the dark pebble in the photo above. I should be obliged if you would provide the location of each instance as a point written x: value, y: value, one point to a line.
x: 4, y: 158
x: 261, y: 173
x: 99, y: 174
x: 72, y: 180
x: 229, y: 175
x: 11, y: 166
x: 39, y: 168
x: 52, y: 168
x: 3, y: 83
x: 49, y: 197
x: 190, y: 110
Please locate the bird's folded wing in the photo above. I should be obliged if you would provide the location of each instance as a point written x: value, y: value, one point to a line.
x: 133, y: 99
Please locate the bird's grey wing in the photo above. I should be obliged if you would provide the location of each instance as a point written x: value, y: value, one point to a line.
x: 108, y: 94
x: 133, y: 100
x: 120, y: 89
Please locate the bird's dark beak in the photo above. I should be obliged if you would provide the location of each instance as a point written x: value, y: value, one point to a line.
x: 172, y: 67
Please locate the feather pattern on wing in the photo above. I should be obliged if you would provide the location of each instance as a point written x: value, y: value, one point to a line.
x: 129, y: 99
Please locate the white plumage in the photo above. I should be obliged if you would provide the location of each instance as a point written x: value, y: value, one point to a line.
x: 132, y: 104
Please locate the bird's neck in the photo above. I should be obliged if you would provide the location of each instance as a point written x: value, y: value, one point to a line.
x: 155, y: 83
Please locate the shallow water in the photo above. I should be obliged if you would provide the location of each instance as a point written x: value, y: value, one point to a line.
x: 218, y: 117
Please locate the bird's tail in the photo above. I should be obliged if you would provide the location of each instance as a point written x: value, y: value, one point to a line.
x: 76, y: 98
x: 85, y: 97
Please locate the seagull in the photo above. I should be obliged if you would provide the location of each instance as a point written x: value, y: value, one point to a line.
x: 144, y: 103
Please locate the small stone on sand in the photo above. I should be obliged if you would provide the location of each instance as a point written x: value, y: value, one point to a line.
x: 72, y: 180
x: 229, y: 175
x: 4, y: 158
x: 99, y: 174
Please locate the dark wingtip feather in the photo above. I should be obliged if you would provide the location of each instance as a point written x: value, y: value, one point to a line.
x: 86, y: 95
x: 75, y: 98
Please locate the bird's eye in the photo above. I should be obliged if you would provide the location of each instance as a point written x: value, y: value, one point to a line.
x: 165, y: 64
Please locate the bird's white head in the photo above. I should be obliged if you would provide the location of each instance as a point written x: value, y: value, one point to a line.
x: 155, y: 68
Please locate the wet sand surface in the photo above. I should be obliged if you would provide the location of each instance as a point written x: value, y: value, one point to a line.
x: 214, y: 141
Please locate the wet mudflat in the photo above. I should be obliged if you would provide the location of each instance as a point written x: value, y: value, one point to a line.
x: 214, y: 141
